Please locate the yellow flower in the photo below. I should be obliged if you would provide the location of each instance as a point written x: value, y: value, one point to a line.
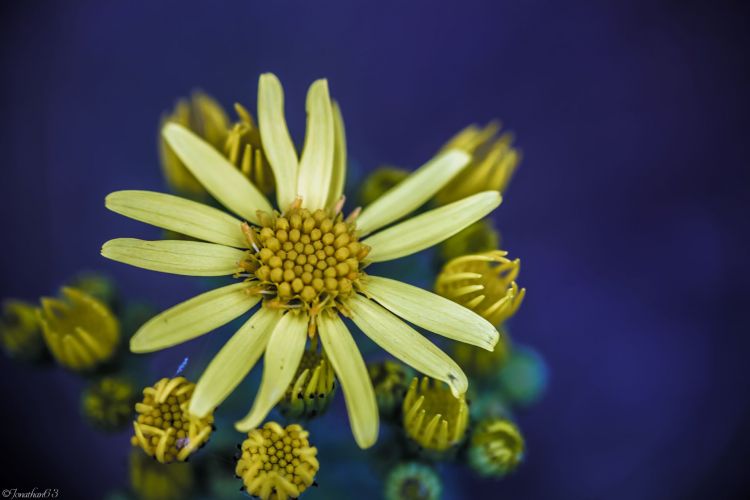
x: 80, y: 331
x: 277, y: 462
x: 484, y: 283
x: 492, y: 165
x: 496, y: 447
x: 433, y: 417
x: 20, y: 331
x: 164, y: 428
x: 304, y: 265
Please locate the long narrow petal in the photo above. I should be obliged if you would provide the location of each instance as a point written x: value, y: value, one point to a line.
x: 413, y: 192
x: 352, y: 374
x: 194, y: 317
x: 432, y: 312
x: 220, y: 178
x: 277, y: 143
x: 316, y: 162
x: 283, y: 354
x: 339, y: 157
x: 406, y: 344
x: 179, y: 215
x: 430, y: 228
x: 191, y: 258
x: 233, y: 362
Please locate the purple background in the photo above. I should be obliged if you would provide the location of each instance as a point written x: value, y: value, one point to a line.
x: 633, y: 120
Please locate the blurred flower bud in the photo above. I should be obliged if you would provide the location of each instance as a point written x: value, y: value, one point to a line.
x: 80, y: 331
x: 107, y: 403
x: 378, y: 182
x: 523, y: 379
x: 496, y: 447
x: 152, y: 480
x: 20, y: 331
x: 481, y: 363
x: 478, y: 237
x: 413, y: 481
x: 98, y: 285
x: 390, y: 381
x: 244, y: 150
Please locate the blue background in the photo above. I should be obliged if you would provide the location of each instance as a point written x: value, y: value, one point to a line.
x: 633, y: 121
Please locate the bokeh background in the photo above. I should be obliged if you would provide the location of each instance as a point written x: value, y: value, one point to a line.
x: 633, y: 121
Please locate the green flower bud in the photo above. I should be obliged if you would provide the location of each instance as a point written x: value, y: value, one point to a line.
x: 413, y: 481
x: 496, y: 447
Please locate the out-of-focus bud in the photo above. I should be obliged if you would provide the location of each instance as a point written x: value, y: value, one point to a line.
x: 244, y: 149
x: 390, y: 381
x: 413, y: 481
x: 152, y: 480
x: 493, y: 162
x: 98, y: 285
x: 496, y: 447
x: 20, y: 332
x: 107, y: 403
x: 523, y: 378
x: 476, y: 238
x: 480, y: 363
x: 80, y: 331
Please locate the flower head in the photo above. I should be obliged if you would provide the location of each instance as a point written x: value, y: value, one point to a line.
x: 277, y: 462
x: 20, y: 332
x: 492, y: 165
x: 80, y: 331
x: 484, y: 283
x: 312, y: 388
x: 304, y: 264
x: 108, y: 403
x: 496, y: 447
x: 164, y: 428
x: 433, y: 417
x: 413, y: 481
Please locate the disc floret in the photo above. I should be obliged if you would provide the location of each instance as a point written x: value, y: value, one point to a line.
x: 304, y: 259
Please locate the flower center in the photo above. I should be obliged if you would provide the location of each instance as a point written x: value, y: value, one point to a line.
x: 304, y: 259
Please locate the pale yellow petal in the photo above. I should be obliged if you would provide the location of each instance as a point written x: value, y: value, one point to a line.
x: 413, y: 192
x: 283, y: 354
x: 339, y: 157
x: 352, y: 374
x: 405, y: 343
x: 316, y: 162
x: 430, y: 228
x: 220, y: 178
x: 233, y: 362
x: 432, y: 312
x: 277, y: 143
x: 194, y: 317
x: 191, y: 258
x: 179, y: 215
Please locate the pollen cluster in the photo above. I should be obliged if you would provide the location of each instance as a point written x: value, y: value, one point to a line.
x: 164, y: 428
x: 277, y: 462
x: 304, y: 258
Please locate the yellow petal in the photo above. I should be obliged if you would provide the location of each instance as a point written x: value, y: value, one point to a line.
x: 430, y: 228
x: 191, y: 258
x: 194, y: 317
x: 179, y: 215
x: 233, y: 362
x: 413, y: 192
x: 352, y: 374
x: 274, y: 135
x: 283, y: 354
x: 339, y: 157
x: 405, y: 343
x: 220, y: 178
x: 432, y: 312
x: 316, y: 163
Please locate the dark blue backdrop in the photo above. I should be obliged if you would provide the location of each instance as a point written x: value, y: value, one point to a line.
x: 633, y: 120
